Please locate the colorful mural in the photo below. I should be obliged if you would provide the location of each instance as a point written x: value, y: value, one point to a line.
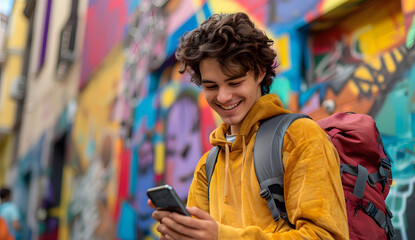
x: 181, y: 131
x: 89, y: 209
x: 95, y: 189
x: 107, y: 18
x: 142, y: 176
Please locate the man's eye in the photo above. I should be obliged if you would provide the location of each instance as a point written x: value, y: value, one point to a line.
x: 209, y: 86
x: 235, y: 83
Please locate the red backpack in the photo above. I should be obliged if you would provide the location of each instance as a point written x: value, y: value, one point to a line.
x: 365, y: 170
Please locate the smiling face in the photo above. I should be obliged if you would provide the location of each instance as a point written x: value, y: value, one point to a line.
x: 230, y: 96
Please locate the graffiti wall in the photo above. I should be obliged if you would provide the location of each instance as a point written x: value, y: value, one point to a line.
x: 94, y: 187
x: 106, y: 25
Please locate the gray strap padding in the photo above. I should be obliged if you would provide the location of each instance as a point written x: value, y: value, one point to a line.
x: 268, y: 146
x: 210, y: 163
x: 359, y: 187
x: 269, y: 167
x: 362, y: 178
x: 348, y: 169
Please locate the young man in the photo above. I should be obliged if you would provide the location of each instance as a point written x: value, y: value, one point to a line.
x: 9, y: 212
x: 234, y: 63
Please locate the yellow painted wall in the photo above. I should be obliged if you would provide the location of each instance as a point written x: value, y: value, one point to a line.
x: 6, y: 148
x: 377, y: 34
x: 327, y: 6
x: 15, y: 45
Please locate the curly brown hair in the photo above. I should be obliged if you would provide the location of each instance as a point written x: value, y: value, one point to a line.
x: 235, y: 42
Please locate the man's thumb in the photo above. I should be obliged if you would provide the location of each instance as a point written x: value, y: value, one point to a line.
x: 196, y: 212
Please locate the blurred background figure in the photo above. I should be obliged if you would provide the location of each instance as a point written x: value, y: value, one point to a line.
x: 4, y: 231
x: 10, y: 213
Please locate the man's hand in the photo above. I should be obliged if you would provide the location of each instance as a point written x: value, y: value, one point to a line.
x: 179, y: 227
x: 157, y: 215
x: 16, y: 225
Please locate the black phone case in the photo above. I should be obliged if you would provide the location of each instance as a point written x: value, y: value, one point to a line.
x: 165, y: 198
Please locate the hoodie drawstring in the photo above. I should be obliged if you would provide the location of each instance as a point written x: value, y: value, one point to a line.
x: 243, y: 155
x: 226, y: 173
x: 226, y: 191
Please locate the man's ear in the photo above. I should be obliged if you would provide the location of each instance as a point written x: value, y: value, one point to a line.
x: 261, y: 75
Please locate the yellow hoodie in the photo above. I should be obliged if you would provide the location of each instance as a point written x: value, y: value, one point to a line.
x: 312, y: 186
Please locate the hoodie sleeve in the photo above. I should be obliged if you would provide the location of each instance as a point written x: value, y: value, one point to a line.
x: 312, y: 189
x: 198, y: 191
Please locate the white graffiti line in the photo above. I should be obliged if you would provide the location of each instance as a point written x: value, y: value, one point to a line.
x: 397, y: 201
x: 329, y: 66
x: 88, y: 190
x: 403, y: 146
x: 404, y: 179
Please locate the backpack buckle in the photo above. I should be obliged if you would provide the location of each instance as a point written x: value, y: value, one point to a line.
x: 385, y: 162
x: 392, y: 233
x: 385, y: 167
x: 383, y: 172
x: 265, y: 194
x: 371, y: 210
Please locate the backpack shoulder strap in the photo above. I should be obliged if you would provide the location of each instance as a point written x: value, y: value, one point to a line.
x: 211, y: 163
x: 269, y: 167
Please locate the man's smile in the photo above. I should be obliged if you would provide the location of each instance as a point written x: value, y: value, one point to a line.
x: 230, y: 107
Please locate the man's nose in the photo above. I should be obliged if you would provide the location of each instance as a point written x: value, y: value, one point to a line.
x: 224, y: 95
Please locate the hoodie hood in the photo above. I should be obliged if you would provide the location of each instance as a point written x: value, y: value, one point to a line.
x: 265, y: 107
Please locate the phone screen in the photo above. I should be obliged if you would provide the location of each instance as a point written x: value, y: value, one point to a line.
x: 165, y: 198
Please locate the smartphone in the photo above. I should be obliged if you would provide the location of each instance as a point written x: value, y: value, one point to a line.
x: 165, y: 198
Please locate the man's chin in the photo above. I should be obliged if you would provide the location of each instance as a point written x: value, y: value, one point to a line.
x: 231, y: 122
